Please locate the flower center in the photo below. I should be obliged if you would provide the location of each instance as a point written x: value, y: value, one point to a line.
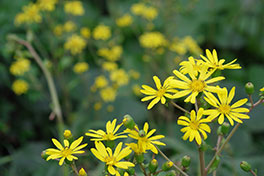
x: 197, y: 85
x: 194, y: 125
x: 161, y: 92
x: 225, y: 109
x: 110, y: 160
x: 66, y: 152
x: 109, y: 136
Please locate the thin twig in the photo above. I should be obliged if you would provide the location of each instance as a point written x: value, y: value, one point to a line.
x: 252, y: 172
x: 196, y: 106
x: 202, y: 163
x: 174, y: 165
x: 73, y: 166
x: 219, y: 139
x: 179, y: 107
x: 143, y: 169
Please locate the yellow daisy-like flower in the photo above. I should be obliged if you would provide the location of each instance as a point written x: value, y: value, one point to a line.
x: 109, y: 135
x: 152, y: 40
x: 224, y: 109
x: 212, y: 61
x: 67, y: 151
x: 47, y: 5
x: 159, y: 94
x: 102, y: 32
x: 145, y: 141
x: 120, y: 77
x: 192, y: 65
x: 74, y: 8
x: 194, y: 126
x: 20, y: 86
x: 136, y: 148
x: 85, y: 32
x: 80, y: 67
x: 112, y: 160
x: 124, y: 21
x: 20, y: 66
x: 108, y: 94
x: 75, y: 44
x: 195, y: 85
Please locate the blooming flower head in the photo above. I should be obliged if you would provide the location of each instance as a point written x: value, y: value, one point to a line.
x: 192, y: 65
x: 223, y: 108
x: 138, y: 8
x: 124, y: 21
x: 138, y: 149
x: 194, y: 126
x: 262, y: 89
x: 30, y: 14
x: 212, y: 61
x: 195, y: 85
x: 74, y: 8
x: 149, y: 13
x: 80, y: 67
x: 67, y: 151
x: 146, y: 141
x: 20, y: 66
x: 109, y: 135
x: 109, y: 66
x: 75, y: 44
x: 102, y: 32
x: 152, y: 40
x: 47, y: 5
x: 111, y: 54
x: 58, y: 30
x: 69, y: 26
x: 108, y: 94
x: 120, y: 77
x: 100, y: 81
x: 112, y: 160
x: 159, y: 94
x: 85, y: 32
x: 20, y: 86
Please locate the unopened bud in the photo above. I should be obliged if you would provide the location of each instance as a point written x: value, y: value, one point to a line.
x: 131, y: 170
x: 153, y: 165
x: 142, y: 133
x: 82, y: 172
x: 215, y: 164
x: 44, y: 155
x: 167, y: 166
x: 128, y: 122
x: 171, y: 173
x: 204, y: 146
x: 249, y: 87
x: 139, y: 158
x: 67, y: 134
x: 225, y: 128
x: 186, y: 161
x: 245, y: 166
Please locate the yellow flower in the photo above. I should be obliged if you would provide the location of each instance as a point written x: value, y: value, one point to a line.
x: 67, y: 151
x: 192, y: 46
x: 134, y: 74
x: 20, y: 87
x: 195, y: 85
x: 138, y: 149
x: 58, y: 30
x: 19, y: 67
x: 74, y: 8
x: 145, y: 141
x: 69, y: 26
x: 179, y: 48
x: 124, y: 21
x: 136, y: 90
x: 75, y: 44
x: 47, y: 5
x: 102, y: 32
x: 120, y: 77
x: 138, y: 8
x: 262, y: 89
x: 67, y: 134
x: 192, y: 65
x: 152, y: 40
x: 213, y: 62
x: 100, y: 81
x: 112, y: 160
x: 159, y: 94
x: 224, y: 109
x: 30, y: 15
x: 85, y: 32
x: 80, y: 67
x: 97, y: 106
x: 194, y: 126
x: 82, y: 172
x: 109, y: 66
x: 112, y: 54
x: 149, y: 13
x: 110, y: 134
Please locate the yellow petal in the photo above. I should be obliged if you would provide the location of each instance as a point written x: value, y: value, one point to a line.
x: 231, y: 95
x: 239, y: 103
x: 157, y: 82
x: 153, y: 102
x: 76, y: 143
x: 57, y: 143
x: 181, y: 76
x: 124, y: 164
x: 118, y: 149
x: 97, y: 155
x: 111, y: 170
x: 61, y: 161
x: 146, y: 127
x: 148, y: 98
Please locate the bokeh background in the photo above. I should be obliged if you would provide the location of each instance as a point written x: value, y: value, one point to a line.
x: 234, y: 28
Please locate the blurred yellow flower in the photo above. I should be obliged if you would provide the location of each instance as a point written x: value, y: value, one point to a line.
x: 80, y: 67
x: 152, y: 40
x: 109, y: 66
x: 112, y: 54
x: 194, y: 126
x: 47, y: 5
x: 149, y: 13
x: 102, y: 32
x: 136, y: 90
x: 82, y: 172
x: 100, y: 81
x: 134, y: 74
x: 108, y: 94
x: 20, y: 87
x: 97, y: 106
x: 30, y: 15
x: 75, y: 44
x: 124, y: 21
x: 20, y: 66
x: 74, y: 8
x: 192, y: 45
x: 69, y: 26
x: 138, y: 8
x: 67, y: 151
x: 179, y: 48
x: 262, y: 89
x: 85, y: 32
x: 120, y: 77
x: 58, y: 30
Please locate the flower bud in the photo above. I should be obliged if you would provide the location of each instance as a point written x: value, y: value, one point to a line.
x: 167, y: 166
x: 249, y: 87
x: 204, y: 146
x: 225, y: 128
x: 82, y: 172
x: 171, y: 173
x: 153, y: 165
x: 44, y: 155
x: 186, y: 161
x: 141, y: 133
x: 128, y: 122
x: 139, y: 158
x: 131, y: 170
x: 245, y: 166
x: 67, y: 134
x: 215, y: 164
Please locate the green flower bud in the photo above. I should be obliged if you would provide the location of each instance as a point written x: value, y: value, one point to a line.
x: 141, y: 133
x: 204, y: 146
x: 245, y: 166
x: 131, y: 170
x: 214, y: 165
x: 171, y: 173
x: 44, y: 155
x: 219, y: 131
x: 167, y: 166
x: 186, y: 161
x: 128, y: 122
x: 139, y: 158
x: 82, y: 172
x: 225, y: 128
x: 153, y: 165
x: 249, y: 87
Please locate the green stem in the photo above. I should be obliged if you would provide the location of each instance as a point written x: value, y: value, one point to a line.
x: 73, y: 166
x: 252, y: 172
x: 143, y: 169
x: 174, y: 165
x: 179, y: 107
x: 202, y: 163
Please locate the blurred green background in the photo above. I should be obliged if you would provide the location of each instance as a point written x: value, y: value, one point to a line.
x: 234, y: 28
